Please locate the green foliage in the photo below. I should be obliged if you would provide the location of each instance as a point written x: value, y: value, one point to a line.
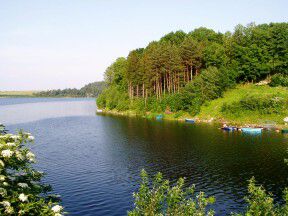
x: 89, y: 90
x: 215, y: 55
x: 206, y: 35
x: 92, y: 89
x: 209, y: 85
x: 261, y: 203
x: 279, y: 80
x: 159, y: 197
x: 260, y: 50
x: 112, y: 98
x: 174, y: 37
x: 21, y: 189
x: 115, y: 74
x: 184, y: 71
x: 264, y: 104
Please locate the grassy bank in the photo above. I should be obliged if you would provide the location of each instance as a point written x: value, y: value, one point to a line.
x: 17, y: 93
x: 213, y: 110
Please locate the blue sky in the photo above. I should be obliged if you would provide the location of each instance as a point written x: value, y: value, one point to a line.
x: 50, y: 44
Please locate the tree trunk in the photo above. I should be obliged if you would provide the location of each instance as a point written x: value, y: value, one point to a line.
x: 143, y: 90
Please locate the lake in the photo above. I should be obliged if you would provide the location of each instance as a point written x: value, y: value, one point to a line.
x: 93, y: 161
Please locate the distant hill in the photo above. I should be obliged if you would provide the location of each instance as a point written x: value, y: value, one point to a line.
x: 89, y: 90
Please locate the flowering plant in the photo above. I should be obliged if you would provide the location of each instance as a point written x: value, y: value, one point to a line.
x: 21, y: 189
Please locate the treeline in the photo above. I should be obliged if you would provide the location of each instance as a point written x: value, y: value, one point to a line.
x: 186, y: 69
x: 89, y: 90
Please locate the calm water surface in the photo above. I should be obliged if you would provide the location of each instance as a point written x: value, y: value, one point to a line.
x: 94, y: 161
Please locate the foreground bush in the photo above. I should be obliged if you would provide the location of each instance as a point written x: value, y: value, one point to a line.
x: 261, y: 203
x: 160, y: 198
x: 21, y: 190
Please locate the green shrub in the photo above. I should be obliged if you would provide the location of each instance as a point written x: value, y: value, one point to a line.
x: 138, y: 105
x: 279, y: 80
x: 264, y: 104
x: 209, y: 85
x: 261, y: 203
x: 113, y: 98
x: 21, y: 189
x: 158, y: 197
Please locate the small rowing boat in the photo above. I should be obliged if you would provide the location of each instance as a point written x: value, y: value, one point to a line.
x: 251, y: 130
x: 159, y: 117
x: 229, y: 128
x: 190, y: 120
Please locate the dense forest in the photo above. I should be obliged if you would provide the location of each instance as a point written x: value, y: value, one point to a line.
x: 89, y: 90
x: 182, y: 71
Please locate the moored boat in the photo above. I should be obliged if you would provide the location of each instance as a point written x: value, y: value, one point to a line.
x: 285, y: 131
x: 251, y: 130
x: 190, y: 120
x: 159, y: 117
x: 226, y: 128
x: 99, y: 111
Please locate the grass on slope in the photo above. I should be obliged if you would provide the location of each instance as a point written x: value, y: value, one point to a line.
x: 213, y: 108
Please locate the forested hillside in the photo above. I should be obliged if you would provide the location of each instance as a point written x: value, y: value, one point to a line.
x: 89, y: 90
x: 182, y: 70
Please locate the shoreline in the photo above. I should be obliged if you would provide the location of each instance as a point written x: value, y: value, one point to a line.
x: 171, y: 117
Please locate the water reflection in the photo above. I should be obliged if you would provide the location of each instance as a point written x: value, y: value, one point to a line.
x: 94, y: 161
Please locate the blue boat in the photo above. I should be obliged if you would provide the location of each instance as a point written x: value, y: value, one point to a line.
x: 190, y: 120
x: 251, y: 130
x: 159, y: 117
x: 229, y: 128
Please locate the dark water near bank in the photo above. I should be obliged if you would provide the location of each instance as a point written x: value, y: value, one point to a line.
x: 94, y: 161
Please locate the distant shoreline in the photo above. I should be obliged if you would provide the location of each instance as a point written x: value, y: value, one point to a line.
x: 17, y: 93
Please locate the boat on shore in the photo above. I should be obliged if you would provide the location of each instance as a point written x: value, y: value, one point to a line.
x: 99, y: 111
x: 190, y: 120
x: 229, y: 128
x: 159, y: 117
x: 251, y: 130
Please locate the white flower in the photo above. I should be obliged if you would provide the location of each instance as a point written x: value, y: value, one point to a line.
x: 2, y: 177
x: 9, y: 210
x: 5, y: 203
x: 31, y: 138
x: 5, y: 183
x: 30, y: 156
x: 19, y: 156
x: 57, y: 208
x: 23, y: 198
x: 23, y: 185
x: 15, y: 137
x: 3, y: 192
x: 10, y: 144
x: 7, y: 153
x: 2, y: 163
